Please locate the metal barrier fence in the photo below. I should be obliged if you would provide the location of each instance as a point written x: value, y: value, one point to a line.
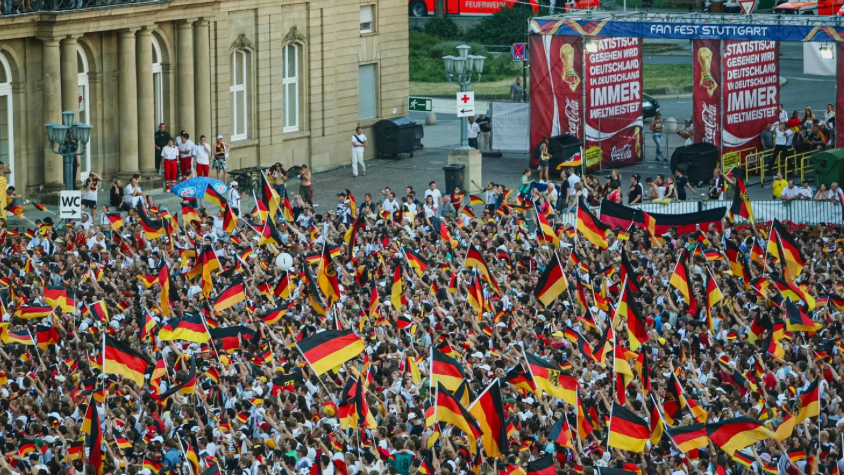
x: 800, y: 211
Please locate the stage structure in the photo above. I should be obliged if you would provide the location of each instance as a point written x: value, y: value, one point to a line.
x: 586, y: 76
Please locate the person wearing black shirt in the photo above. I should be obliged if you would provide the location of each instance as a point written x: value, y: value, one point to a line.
x: 634, y: 196
x: 161, y: 139
x: 116, y: 197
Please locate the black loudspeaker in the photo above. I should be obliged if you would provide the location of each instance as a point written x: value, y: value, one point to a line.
x: 699, y: 161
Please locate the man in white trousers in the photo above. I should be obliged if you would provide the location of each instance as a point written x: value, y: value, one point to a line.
x: 358, y: 144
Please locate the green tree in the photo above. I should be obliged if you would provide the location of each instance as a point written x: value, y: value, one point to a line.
x: 505, y: 27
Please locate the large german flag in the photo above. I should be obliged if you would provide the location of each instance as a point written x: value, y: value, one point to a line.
x: 94, y: 441
x: 547, y: 231
x: 680, y: 280
x: 445, y: 370
x: 636, y: 328
x: 788, y: 251
x: 521, y: 379
x: 560, y: 433
x: 60, y: 296
x: 327, y: 278
x: 229, y: 297
x: 675, y: 401
x: 590, y: 227
x: 190, y: 328
x: 476, y: 260
x: 552, y: 380
x: 153, y: 228
x: 543, y: 466
x: 270, y: 234
x: 46, y: 336
x: 29, y: 313
x: 488, y: 410
x: 627, y: 430
x: 793, y: 292
x: 164, y: 298
x: 417, y: 262
x: 122, y: 359
x: 713, y: 297
x: 733, y: 435
x: 622, y: 371
x: 689, y: 437
x: 284, y: 288
x: 741, y: 202
x: 619, y: 216
x: 229, y: 338
x: 449, y: 410
x: 229, y: 219
x: 809, y: 403
x: 796, y: 320
x: 475, y: 294
x: 271, y: 317
x: 397, y: 297
x: 330, y: 349
x: 214, y: 197
x: 552, y: 282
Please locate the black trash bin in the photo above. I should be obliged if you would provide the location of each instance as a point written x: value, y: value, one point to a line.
x: 395, y: 136
x: 453, y: 177
x: 697, y: 161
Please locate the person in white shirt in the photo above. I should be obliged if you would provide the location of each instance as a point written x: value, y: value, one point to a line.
x: 805, y: 191
x: 790, y: 192
x: 358, y: 144
x: 203, y: 157
x: 134, y: 193
x: 170, y: 162
x: 473, y: 130
x: 434, y: 193
x: 187, y: 151
x: 233, y: 197
x: 390, y: 204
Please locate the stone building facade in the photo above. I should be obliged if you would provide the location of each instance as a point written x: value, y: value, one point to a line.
x: 282, y: 80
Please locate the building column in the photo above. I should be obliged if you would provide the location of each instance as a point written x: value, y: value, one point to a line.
x: 52, y: 110
x: 202, y: 80
x: 146, y: 103
x: 184, y: 73
x: 128, y: 102
x: 70, y: 74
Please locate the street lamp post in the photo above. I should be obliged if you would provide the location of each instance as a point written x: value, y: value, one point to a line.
x: 461, y: 70
x: 68, y: 139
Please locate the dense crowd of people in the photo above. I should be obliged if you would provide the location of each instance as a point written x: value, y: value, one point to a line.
x: 453, y: 274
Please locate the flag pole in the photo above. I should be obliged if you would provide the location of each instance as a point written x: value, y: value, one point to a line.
x: 37, y: 353
x: 554, y: 251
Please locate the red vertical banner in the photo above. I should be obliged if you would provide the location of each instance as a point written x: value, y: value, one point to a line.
x: 613, y: 80
x: 839, y: 93
x: 706, y: 92
x: 556, y: 86
x: 751, y: 91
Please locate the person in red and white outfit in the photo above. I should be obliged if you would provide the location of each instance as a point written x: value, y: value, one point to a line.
x: 203, y: 157
x: 170, y: 162
x: 187, y: 151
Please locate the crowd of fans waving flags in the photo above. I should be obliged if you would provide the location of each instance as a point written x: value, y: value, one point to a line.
x: 502, y: 342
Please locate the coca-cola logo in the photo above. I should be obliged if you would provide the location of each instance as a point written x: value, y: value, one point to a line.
x: 621, y: 154
x: 709, y: 117
x: 572, y: 112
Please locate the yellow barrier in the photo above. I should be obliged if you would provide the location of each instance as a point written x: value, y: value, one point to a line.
x: 802, y: 164
x: 755, y: 162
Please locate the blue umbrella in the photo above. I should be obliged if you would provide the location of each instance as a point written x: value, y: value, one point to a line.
x: 195, y: 187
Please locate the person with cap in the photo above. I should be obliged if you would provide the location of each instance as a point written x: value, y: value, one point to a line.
x: 221, y: 154
x: 233, y: 197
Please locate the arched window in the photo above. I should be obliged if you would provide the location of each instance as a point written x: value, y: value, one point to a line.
x: 157, y: 83
x: 7, y: 140
x: 84, y: 105
x: 240, y: 94
x: 290, y: 81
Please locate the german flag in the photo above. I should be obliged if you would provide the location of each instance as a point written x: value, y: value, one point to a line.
x: 60, y: 296
x: 741, y: 202
x: 788, y: 251
x: 627, y: 308
x: 153, y: 228
x: 153, y: 466
x: 187, y: 386
x: 284, y: 288
x: 327, y: 278
x: 511, y: 469
x: 229, y: 219
x: 796, y: 455
x: 738, y: 265
x: 94, y: 439
x: 148, y: 280
x: 46, y: 336
x: 476, y: 260
x: 351, y: 236
x: 680, y: 280
x: 809, y: 403
x: 286, y: 210
x: 214, y: 197
x: 590, y: 227
x: 545, y: 465
x: 622, y: 371
x: 689, y: 437
x: 552, y: 380
x: 552, y: 282
x: 713, y: 297
x: 790, y: 291
x: 627, y: 431
x: 698, y: 412
x: 675, y: 401
x: 21, y: 338
x: 488, y: 410
x: 29, y: 313
x: 619, y: 216
x: 576, y: 160
x: 443, y: 231
x: 15, y: 209
x: 192, y: 458
x: 560, y: 433
x: 417, y: 262
x: 733, y: 435
x: 99, y: 311
x: 229, y: 297
x: 445, y: 370
x: 229, y: 338
x: 273, y: 316
x: 797, y: 321
x: 330, y: 349
x: 122, y: 359
x: 584, y: 424
x: 604, y: 346
x: 164, y: 297
x: 475, y: 294
x: 626, y: 271
x: 547, y: 231
x: 189, y: 328
x: 449, y: 410
x: 650, y: 225
x: 206, y: 263
x: 116, y: 220
x: 656, y: 423
x: 521, y: 379
x: 189, y: 216
x: 318, y: 305
x: 27, y: 446
x: 397, y: 297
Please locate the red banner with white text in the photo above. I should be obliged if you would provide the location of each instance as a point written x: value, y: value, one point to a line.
x: 613, y: 78
x: 556, y: 87
x: 751, y: 91
x: 706, y: 92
